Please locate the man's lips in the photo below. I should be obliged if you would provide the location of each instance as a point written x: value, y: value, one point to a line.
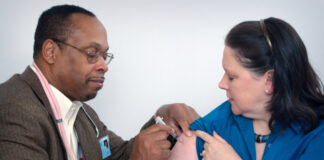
x: 97, y: 80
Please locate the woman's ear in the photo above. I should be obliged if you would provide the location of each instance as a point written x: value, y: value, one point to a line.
x: 269, y: 82
x: 48, y: 51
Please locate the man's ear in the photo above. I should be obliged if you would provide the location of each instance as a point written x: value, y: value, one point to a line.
x: 269, y: 82
x: 49, y: 50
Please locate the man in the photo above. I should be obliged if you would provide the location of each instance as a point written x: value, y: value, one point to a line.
x: 42, y: 114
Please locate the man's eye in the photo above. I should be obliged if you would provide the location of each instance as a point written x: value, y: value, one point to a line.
x: 92, y: 53
x: 104, y: 56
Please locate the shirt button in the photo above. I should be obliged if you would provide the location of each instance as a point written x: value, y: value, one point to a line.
x: 269, y: 145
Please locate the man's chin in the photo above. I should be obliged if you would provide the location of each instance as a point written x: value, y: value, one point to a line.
x: 90, y: 96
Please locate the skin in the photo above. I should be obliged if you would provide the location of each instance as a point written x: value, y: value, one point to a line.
x: 79, y: 80
x: 69, y: 71
x: 185, y: 116
x: 216, y: 147
x: 244, y: 89
x: 151, y: 143
x: 248, y: 94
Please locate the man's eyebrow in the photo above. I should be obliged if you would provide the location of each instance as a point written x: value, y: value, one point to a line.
x: 97, y: 45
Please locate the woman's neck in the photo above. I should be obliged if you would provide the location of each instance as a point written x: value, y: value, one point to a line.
x: 261, y: 126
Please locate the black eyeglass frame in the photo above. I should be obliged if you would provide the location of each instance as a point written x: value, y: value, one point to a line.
x: 91, y: 56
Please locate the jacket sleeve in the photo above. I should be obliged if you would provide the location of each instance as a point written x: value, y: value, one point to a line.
x: 120, y: 149
x: 25, y: 133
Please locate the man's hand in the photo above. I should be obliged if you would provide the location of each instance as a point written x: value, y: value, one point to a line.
x: 179, y: 116
x: 152, y: 143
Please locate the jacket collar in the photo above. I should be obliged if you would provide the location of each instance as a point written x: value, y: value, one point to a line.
x: 30, y: 77
x: 87, y: 137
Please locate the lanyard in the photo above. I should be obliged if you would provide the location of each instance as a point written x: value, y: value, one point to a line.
x: 55, y: 108
x: 93, y: 123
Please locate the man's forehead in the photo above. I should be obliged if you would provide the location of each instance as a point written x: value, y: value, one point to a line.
x: 79, y: 19
x: 88, y: 29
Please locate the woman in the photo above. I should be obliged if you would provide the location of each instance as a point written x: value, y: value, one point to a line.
x: 275, y: 100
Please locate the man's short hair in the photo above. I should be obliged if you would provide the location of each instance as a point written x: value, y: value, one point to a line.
x: 54, y: 23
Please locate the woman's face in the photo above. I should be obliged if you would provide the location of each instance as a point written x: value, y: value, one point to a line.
x: 244, y: 89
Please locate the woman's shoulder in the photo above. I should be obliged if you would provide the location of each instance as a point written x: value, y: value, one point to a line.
x: 313, y: 141
x: 319, y: 129
x: 222, y: 111
x: 216, y: 117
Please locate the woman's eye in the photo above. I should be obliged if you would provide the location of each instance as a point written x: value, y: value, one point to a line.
x: 230, y: 77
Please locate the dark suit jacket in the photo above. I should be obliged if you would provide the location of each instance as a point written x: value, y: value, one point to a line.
x: 28, y: 129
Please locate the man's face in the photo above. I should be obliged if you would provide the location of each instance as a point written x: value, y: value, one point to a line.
x: 75, y: 76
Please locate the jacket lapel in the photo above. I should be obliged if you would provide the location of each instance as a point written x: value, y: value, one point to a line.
x: 87, y: 136
x: 32, y: 80
x: 84, y: 128
x: 30, y: 77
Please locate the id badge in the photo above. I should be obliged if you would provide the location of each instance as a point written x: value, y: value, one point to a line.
x: 105, y: 147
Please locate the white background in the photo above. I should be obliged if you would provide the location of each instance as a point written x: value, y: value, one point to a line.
x: 166, y: 50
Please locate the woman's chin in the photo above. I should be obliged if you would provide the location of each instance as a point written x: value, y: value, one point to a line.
x: 235, y: 110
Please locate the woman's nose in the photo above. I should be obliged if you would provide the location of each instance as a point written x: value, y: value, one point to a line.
x: 223, y: 83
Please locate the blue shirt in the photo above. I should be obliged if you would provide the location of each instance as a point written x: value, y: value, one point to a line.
x: 238, y: 131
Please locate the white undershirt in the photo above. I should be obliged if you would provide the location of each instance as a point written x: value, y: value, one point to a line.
x: 69, y: 111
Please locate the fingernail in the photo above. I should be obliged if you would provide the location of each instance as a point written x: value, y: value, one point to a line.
x: 188, y: 133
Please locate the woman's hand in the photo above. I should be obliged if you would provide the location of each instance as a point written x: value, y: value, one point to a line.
x: 216, y: 148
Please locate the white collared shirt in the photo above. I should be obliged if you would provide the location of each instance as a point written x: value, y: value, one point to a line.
x: 69, y: 111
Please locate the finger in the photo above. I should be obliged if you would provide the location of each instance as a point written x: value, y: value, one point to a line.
x: 165, y: 154
x: 156, y: 132
x: 159, y: 127
x: 189, y: 117
x: 205, y: 136
x: 164, y: 144
x: 159, y: 135
x: 175, y: 127
x: 205, y: 146
x: 218, y: 137
x: 185, y: 127
x: 193, y: 114
x: 203, y: 153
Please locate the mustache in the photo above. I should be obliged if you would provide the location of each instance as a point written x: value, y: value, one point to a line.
x: 96, y: 78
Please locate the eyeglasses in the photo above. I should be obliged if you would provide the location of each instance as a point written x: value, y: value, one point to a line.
x: 92, y: 56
